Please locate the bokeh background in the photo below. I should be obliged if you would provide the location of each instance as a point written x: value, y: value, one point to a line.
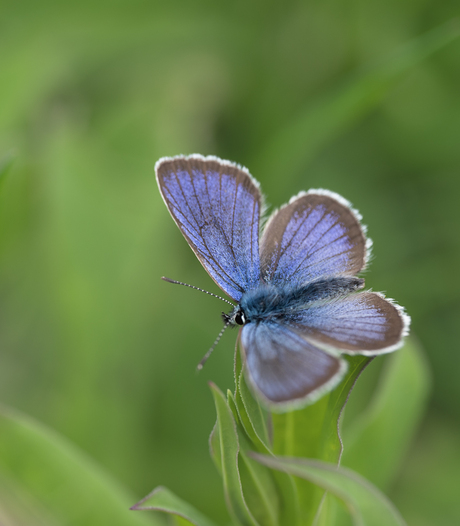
x: 359, y: 97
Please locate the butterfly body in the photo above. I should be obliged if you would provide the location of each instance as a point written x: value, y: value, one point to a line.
x: 300, y: 304
x: 283, y: 302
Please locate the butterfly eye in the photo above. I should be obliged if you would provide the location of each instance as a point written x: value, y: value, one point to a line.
x: 240, y: 318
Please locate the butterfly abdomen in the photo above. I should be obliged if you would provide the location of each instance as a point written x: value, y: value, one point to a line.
x: 330, y: 288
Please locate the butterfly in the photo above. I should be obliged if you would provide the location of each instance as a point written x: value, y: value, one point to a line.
x: 299, y: 302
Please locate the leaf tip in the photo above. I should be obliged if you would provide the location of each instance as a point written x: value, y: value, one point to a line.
x: 138, y: 506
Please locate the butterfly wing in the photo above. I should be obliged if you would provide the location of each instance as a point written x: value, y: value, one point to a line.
x: 284, y: 369
x: 364, y: 323
x: 216, y: 205
x: 316, y: 235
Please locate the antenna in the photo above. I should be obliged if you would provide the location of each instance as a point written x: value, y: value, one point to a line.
x: 208, y: 354
x: 169, y: 280
x: 227, y: 322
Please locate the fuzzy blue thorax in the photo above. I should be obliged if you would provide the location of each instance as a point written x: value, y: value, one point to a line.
x: 269, y: 302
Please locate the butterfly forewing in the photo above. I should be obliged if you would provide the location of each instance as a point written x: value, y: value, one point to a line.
x: 216, y: 205
x: 365, y: 323
x: 285, y: 369
x: 317, y: 235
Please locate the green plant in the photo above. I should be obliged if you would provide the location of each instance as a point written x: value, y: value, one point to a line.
x: 280, y: 469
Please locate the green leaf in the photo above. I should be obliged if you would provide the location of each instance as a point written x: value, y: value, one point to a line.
x: 161, y: 499
x: 259, y: 486
x: 254, y: 422
x: 380, y: 436
x: 257, y: 481
x: 214, y: 448
x: 324, y: 119
x: 46, y: 472
x: 250, y: 412
x: 366, y: 504
x: 229, y: 447
x: 330, y: 442
x: 312, y: 432
x: 253, y: 417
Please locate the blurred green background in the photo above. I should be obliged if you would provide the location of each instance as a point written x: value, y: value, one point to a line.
x: 358, y: 97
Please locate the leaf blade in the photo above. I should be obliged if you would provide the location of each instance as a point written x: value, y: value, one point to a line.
x: 229, y: 447
x: 253, y: 422
x: 367, y: 505
x: 313, y: 432
x: 164, y: 500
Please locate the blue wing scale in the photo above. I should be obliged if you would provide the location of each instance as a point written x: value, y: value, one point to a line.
x: 316, y: 235
x: 363, y: 323
x: 216, y: 206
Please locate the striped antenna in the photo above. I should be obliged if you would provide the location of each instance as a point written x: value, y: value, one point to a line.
x: 169, y: 280
x: 208, y: 354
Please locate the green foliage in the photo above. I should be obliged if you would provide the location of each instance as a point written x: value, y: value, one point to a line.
x: 366, y: 504
x: 229, y: 452
x: 45, y: 480
x: 313, y: 433
x: 391, y: 418
x: 161, y: 499
x: 304, y: 455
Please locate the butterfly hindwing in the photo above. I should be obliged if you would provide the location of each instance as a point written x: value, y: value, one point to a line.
x: 362, y: 323
x: 316, y: 235
x: 216, y: 205
x: 284, y: 369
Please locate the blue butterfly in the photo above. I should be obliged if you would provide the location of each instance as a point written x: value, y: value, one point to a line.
x: 298, y: 298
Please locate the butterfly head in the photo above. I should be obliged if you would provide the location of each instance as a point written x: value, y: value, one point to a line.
x: 235, y: 317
